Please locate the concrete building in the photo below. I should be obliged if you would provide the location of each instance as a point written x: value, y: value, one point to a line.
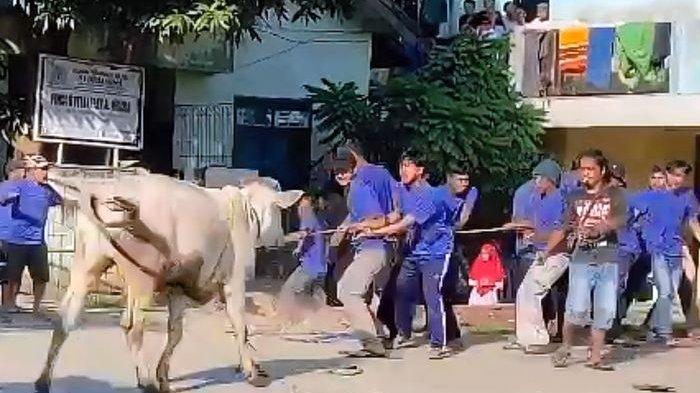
x: 639, y: 128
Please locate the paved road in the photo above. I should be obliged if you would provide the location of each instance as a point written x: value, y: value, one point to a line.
x: 95, y: 360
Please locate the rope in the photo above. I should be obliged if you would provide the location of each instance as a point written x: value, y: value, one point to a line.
x: 458, y: 232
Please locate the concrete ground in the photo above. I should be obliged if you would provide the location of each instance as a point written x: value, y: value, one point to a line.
x: 95, y: 360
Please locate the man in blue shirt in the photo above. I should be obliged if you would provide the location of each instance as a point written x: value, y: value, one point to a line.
x: 546, y: 214
x: 668, y: 214
x: 371, y: 201
x: 29, y: 200
x: 427, y: 220
x: 15, y: 172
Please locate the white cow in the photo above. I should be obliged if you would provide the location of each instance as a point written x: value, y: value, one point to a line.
x: 186, y: 242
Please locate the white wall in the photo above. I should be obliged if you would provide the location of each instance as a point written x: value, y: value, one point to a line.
x: 286, y: 59
x: 611, y: 11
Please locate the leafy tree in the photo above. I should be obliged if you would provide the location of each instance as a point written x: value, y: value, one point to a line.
x: 172, y: 19
x: 460, y: 110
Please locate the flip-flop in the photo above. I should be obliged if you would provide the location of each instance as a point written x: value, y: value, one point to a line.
x: 513, y: 347
x: 347, y: 371
x: 600, y: 366
x: 654, y: 388
x: 560, y: 357
x: 260, y: 379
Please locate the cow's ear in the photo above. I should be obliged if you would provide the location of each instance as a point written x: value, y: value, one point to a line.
x: 286, y: 199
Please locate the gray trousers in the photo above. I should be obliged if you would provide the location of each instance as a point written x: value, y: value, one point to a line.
x: 367, y: 266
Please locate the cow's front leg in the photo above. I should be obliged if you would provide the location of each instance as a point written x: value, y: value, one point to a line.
x: 235, y: 308
x: 177, y: 302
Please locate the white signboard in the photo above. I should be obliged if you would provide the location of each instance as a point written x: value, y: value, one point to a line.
x: 4, y: 73
x: 89, y: 103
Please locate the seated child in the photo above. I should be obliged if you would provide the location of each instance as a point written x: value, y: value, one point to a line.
x: 486, y: 276
x: 297, y: 295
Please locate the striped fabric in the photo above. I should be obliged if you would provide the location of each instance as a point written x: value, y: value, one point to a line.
x: 573, y: 50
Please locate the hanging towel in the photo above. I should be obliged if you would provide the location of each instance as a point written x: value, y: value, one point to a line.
x: 635, y: 43
x: 573, y: 50
x: 600, y: 53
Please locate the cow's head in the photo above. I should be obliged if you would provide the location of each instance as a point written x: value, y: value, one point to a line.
x: 266, y: 202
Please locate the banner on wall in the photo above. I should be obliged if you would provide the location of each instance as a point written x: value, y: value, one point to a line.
x: 89, y: 103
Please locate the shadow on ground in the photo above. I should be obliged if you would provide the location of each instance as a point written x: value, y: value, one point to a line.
x: 73, y: 384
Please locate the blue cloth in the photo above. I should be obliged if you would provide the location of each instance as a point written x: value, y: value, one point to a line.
x: 431, y: 235
x: 547, y: 215
x: 6, y: 221
x: 29, y: 206
x: 371, y: 195
x: 312, y: 255
x: 628, y: 237
x: 600, y: 54
x: 667, y: 215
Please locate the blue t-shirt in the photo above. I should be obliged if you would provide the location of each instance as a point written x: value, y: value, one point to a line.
x: 628, y: 236
x: 6, y: 211
x: 29, y: 204
x: 313, y: 247
x: 667, y: 214
x: 371, y: 195
x: 431, y: 236
x: 570, y: 182
x: 466, y: 201
x: 523, y: 200
x: 547, y: 215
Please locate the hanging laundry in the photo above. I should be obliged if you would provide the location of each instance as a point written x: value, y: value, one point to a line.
x: 600, y: 54
x: 635, y: 42
x: 573, y: 50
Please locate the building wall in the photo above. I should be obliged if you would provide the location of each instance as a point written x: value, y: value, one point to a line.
x: 637, y: 148
x: 288, y: 57
x: 624, y: 10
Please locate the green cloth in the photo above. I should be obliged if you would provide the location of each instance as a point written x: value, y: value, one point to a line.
x: 635, y: 47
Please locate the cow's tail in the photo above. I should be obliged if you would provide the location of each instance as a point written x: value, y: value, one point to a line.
x: 241, y: 231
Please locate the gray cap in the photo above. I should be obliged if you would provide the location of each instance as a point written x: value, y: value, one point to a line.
x: 549, y: 169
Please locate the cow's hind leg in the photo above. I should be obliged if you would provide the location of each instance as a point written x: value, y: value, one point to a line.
x: 71, y: 307
x: 177, y: 302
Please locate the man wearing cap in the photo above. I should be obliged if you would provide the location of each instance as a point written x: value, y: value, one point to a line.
x: 545, y: 216
x: 371, y: 200
x: 29, y: 200
x: 15, y: 171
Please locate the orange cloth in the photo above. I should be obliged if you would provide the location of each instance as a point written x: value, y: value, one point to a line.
x: 573, y: 50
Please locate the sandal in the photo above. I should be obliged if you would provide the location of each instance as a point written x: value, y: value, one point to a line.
x: 347, y: 371
x: 654, y: 388
x: 513, y: 347
x: 560, y: 357
x: 599, y: 366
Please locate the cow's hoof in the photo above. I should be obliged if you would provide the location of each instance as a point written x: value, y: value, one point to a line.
x: 41, y: 387
x: 150, y: 388
x: 260, y: 378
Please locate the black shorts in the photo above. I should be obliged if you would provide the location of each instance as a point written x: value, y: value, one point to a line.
x: 35, y: 257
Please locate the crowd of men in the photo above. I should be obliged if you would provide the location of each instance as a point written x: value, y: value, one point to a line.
x: 581, y: 221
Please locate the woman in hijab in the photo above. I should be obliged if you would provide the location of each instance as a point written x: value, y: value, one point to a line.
x: 486, y: 276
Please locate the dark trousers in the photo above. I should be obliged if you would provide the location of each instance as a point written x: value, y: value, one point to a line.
x: 428, y: 275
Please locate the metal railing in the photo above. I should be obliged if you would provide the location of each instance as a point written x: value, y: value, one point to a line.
x: 203, y: 136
